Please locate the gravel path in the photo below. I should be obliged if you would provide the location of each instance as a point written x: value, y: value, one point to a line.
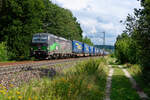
x: 140, y: 92
x: 108, y: 84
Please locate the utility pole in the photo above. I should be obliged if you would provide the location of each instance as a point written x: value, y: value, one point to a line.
x: 102, y: 38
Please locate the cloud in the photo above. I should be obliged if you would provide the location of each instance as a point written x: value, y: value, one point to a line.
x: 73, y: 4
x: 97, y: 16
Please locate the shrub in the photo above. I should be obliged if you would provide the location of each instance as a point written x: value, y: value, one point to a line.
x: 3, y: 52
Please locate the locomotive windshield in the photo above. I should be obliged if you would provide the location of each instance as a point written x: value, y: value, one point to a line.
x: 40, y: 38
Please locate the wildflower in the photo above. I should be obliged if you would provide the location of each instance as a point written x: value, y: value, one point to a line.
x: 35, y: 98
x: 29, y: 98
x: 10, y: 92
x: 19, y: 97
x: 69, y: 93
x: 63, y: 79
x: 89, y: 86
x: 3, y: 87
x: 2, y: 92
x: 18, y: 93
x: 9, y: 97
x: 11, y: 85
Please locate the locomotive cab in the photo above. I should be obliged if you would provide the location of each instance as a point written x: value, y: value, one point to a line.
x: 39, y: 46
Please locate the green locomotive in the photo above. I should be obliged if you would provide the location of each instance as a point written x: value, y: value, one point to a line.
x: 45, y: 45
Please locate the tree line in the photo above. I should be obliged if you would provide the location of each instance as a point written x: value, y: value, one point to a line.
x: 20, y: 19
x: 133, y: 45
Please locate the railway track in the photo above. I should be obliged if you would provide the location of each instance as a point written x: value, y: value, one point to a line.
x: 9, y: 69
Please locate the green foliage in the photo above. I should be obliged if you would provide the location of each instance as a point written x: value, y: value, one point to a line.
x: 87, y: 41
x: 136, y: 48
x: 91, y: 67
x: 142, y: 36
x: 61, y: 22
x: 1, y: 5
x: 20, y: 19
x: 86, y: 82
x: 3, y: 52
x: 112, y: 55
x: 125, y: 49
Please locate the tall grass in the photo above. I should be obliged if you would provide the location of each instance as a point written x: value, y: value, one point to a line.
x: 3, y: 52
x: 85, y: 82
x: 138, y: 75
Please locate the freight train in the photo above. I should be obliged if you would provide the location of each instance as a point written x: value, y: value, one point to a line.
x: 47, y: 46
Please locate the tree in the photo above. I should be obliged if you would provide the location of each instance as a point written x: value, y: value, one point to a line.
x: 138, y: 30
x: 121, y: 48
x: 142, y: 36
x: 3, y: 52
x: 19, y: 21
x: 87, y: 41
x: 1, y: 3
x: 61, y: 22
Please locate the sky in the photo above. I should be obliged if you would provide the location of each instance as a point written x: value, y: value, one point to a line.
x: 98, y: 16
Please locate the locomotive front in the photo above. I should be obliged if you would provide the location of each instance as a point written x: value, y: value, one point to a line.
x: 39, y: 46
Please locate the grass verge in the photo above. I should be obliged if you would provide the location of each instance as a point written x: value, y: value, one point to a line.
x: 86, y: 81
x: 136, y: 72
x: 121, y: 87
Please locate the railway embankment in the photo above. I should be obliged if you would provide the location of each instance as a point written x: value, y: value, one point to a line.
x: 84, y: 80
x: 17, y: 74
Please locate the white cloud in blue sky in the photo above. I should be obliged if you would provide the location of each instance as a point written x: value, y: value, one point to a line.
x: 96, y: 16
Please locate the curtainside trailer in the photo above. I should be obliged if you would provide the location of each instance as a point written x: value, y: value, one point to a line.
x: 77, y: 48
x: 85, y: 49
x: 91, y: 50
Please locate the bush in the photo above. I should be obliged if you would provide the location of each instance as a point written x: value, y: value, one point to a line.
x: 3, y: 52
x: 112, y: 55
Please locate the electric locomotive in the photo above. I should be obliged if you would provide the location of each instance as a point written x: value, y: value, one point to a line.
x: 39, y: 45
x: 45, y: 45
